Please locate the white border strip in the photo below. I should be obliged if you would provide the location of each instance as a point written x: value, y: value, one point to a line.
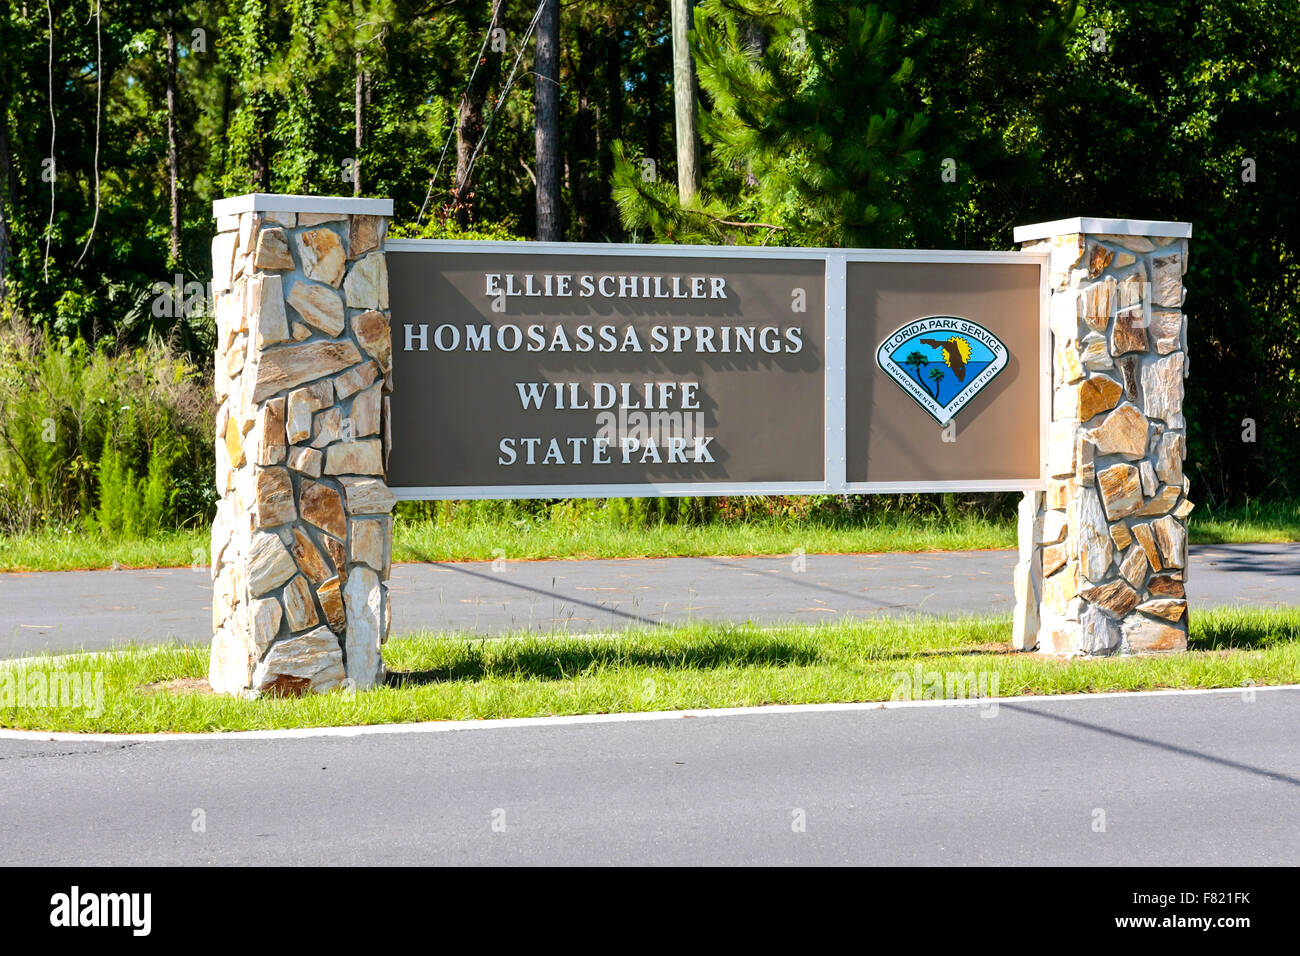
x: 275, y: 202
x: 670, y: 490
x: 683, y: 250
x: 505, y: 723
x: 836, y: 442
x: 912, y: 487
x: 703, y: 488
x: 1046, y: 372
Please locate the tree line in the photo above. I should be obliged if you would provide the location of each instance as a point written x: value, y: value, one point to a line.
x: 911, y: 123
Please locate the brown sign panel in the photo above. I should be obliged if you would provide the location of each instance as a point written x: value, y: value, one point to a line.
x: 569, y: 372
x: 945, y: 373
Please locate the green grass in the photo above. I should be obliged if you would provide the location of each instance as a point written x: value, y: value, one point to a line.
x: 1276, y: 521
x: 687, y: 667
x: 75, y: 550
x: 597, y: 536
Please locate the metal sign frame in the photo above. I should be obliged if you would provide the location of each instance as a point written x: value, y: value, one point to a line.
x: 835, y: 375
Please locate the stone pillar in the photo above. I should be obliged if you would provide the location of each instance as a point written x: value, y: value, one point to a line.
x: 302, y: 540
x: 1103, y: 550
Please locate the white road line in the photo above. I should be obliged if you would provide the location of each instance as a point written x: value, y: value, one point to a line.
x: 448, y: 726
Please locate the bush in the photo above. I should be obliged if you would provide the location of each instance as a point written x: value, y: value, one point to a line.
x: 823, y: 510
x: 131, y: 507
x: 116, y: 442
x: 447, y: 228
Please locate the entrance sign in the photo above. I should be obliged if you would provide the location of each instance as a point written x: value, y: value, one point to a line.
x: 352, y: 369
x: 570, y: 370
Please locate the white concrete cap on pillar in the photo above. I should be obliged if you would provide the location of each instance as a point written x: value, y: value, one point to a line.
x: 1114, y: 227
x: 272, y: 202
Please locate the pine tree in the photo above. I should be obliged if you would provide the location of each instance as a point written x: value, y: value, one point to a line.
x: 807, y: 125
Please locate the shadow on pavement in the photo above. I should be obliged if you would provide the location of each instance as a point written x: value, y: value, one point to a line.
x: 1159, y: 744
x: 1254, y: 558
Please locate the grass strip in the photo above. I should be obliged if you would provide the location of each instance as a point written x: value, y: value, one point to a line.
x: 485, y: 539
x: 440, y: 677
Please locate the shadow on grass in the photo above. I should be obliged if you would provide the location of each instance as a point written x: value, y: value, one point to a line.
x: 987, y: 649
x: 1235, y: 635
x: 567, y: 662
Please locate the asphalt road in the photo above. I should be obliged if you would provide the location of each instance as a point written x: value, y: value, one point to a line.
x: 65, y: 611
x: 1207, y: 779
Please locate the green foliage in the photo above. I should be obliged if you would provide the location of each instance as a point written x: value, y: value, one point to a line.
x: 120, y: 442
x: 1164, y: 117
x: 833, y: 124
x: 450, y: 229
x: 266, y: 100
x: 644, y: 512
x: 823, y: 123
x: 131, y: 507
x: 807, y: 125
x: 833, y: 511
x: 829, y: 124
x: 117, y: 495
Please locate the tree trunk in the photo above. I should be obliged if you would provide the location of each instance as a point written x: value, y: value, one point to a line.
x: 359, y: 122
x: 754, y: 38
x: 581, y: 148
x: 656, y: 64
x: 547, y: 105
x: 260, y: 160
x: 5, y: 167
x: 469, y: 126
x: 688, y: 144
x: 173, y: 162
x: 612, y: 128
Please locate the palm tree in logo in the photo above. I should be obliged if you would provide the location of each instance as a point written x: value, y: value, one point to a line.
x: 936, y: 376
x: 915, y: 360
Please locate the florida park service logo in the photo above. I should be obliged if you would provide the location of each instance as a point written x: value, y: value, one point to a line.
x: 942, y: 362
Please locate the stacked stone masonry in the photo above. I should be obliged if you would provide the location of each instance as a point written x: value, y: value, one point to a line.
x: 301, y: 544
x: 1103, y: 551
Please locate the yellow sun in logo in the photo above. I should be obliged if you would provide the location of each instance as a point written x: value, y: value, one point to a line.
x: 962, y: 346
